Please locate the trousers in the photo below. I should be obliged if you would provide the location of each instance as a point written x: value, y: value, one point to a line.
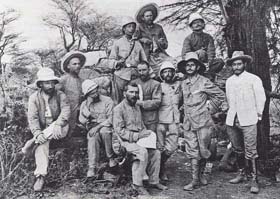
x: 144, y: 161
x: 95, y: 143
x: 167, y: 137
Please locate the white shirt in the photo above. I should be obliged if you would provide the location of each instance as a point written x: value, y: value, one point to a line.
x: 246, y: 98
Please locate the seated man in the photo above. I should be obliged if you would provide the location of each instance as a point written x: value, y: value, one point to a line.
x: 203, y: 44
x: 48, y: 110
x: 96, y: 115
x: 129, y: 126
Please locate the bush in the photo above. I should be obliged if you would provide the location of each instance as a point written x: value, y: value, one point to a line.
x: 15, y: 170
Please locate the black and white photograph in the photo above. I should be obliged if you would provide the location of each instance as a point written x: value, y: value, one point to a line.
x: 139, y: 99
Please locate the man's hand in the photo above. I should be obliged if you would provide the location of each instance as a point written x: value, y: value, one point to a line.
x: 94, y: 130
x: 140, y: 102
x: 146, y: 41
x: 120, y: 63
x: 40, y: 139
x: 201, y: 53
x: 57, y: 132
x: 144, y: 134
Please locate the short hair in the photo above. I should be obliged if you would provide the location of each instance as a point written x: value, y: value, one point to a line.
x: 133, y: 84
x: 144, y: 63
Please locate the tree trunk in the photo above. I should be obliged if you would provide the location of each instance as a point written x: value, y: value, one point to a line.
x: 246, y: 31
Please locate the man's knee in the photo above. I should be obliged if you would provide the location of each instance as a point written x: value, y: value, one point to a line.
x: 105, y: 130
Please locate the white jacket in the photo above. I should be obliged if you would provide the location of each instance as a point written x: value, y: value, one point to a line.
x: 246, y: 98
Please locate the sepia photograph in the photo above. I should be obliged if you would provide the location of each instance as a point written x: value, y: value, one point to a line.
x: 140, y: 99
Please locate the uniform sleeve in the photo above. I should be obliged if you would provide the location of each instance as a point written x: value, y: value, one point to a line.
x: 60, y: 85
x: 84, y: 114
x: 120, y: 128
x: 164, y: 44
x: 33, y: 116
x: 109, y: 114
x: 259, y: 95
x: 215, y: 94
x: 155, y: 102
x: 142, y: 53
x: 211, y: 49
x: 65, y: 112
x: 186, y: 46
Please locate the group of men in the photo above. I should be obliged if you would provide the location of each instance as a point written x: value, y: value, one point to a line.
x: 146, y: 101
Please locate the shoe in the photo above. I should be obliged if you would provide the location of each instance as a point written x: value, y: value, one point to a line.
x: 254, y: 183
x: 38, y: 186
x: 158, y: 186
x: 195, y: 176
x: 239, y: 178
x: 162, y: 173
x: 140, y: 190
x: 91, y: 173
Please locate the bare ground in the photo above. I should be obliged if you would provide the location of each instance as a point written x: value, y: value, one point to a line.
x: 179, y: 173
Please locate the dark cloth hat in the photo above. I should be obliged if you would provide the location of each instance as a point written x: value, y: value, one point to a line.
x: 68, y: 56
x: 148, y: 7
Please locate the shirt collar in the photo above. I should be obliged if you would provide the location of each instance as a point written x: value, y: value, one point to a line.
x: 193, y: 80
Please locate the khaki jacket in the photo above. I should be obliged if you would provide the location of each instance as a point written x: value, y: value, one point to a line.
x: 59, y: 106
x: 169, y: 109
x: 152, y: 99
x: 127, y: 121
x: 196, y: 93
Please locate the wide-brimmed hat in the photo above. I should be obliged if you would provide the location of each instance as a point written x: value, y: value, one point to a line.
x: 190, y: 56
x: 239, y: 55
x: 46, y: 74
x: 88, y: 85
x: 195, y: 16
x: 68, y: 56
x: 148, y: 7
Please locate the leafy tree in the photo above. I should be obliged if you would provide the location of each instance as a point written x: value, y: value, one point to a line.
x: 244, y: 27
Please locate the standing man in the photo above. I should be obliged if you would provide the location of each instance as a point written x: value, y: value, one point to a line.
x: 128, y: 124
x: 196, y: 91
x: 96, y: 115
x: 47, y: 109
x: 151, y: 36
x: 71, y: 85
x: 246, y: 98
x: 203, y: 44
x: 169, y: 115
x: 150, y: 96
x: 127, y: 53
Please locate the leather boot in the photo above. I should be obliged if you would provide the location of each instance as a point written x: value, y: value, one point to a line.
x: 254, y: 182
x: 92, y: 172
x: 162, y: 173
x: 195, y: 176
x: 202, y: 177
x: 241, y: 176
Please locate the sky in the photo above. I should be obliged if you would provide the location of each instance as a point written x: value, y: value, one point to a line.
x: 39, y: 35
